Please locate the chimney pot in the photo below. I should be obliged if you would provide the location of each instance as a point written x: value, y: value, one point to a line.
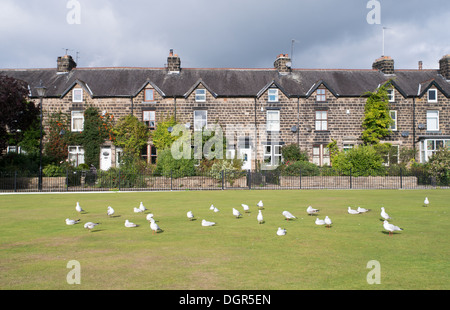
x: 420, y: 65
x: 281, y: 63
x: 65, y: 64
x: 173, y: 63
x: 384, y: 64
x: 444, y: 66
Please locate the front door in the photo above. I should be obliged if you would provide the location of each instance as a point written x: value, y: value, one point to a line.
x: 105, y: 158
x: 246, y: 156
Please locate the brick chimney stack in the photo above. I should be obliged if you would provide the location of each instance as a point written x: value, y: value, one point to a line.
x: 384, y: 64
x: 65, y: 64
x: 173, y: 63
x: 444, y: 66
x: 283, y: 64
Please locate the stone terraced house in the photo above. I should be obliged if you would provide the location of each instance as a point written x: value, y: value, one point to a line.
x: 260, y: 110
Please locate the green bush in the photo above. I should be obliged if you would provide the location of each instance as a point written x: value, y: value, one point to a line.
x: 293, y: 169
x: 362, y: 161
x: 179, y: 167
x: 292, y: 153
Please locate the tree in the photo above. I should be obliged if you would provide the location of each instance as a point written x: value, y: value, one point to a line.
x: 376, y: 116
x: 17, y: 114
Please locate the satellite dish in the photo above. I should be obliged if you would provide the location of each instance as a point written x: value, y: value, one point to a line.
x: 187, y: 125
x: 294, y: 128
x: 289, y: 64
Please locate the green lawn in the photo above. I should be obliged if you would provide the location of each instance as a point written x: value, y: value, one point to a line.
x: 238, y: 254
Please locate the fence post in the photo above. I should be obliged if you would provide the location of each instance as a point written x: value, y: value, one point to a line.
x: 401, y: 178
x: 15, y: 180
x: 222, y: 173
x: 67, y: 180
x: 119, y: 178
x: 350, y: 178
x: 300, y: 178
x: 249, y: 179
x: 170, y: 180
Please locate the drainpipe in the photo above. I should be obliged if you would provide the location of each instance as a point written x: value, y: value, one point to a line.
x: 414, y: 126
x: 132, y: 105
x: 298, y: 121
x: 256, y: 136
x: 175, y: 107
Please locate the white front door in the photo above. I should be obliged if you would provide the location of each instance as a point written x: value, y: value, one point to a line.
x: 246, y: 156
x: 105, y: 158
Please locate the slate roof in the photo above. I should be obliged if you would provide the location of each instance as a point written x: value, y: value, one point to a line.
x: 126, y: 82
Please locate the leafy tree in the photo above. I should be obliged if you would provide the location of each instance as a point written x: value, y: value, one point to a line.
x: 363, y: 160
x: 292, y: 153
x: 439, y: 165
x: 161, y: 137
x: 17, y: 114
x: 376, y: 115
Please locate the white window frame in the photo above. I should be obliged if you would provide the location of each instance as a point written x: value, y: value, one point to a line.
x: 77, y: 95
x: 430, y: 146
x: 321, y: 95
x: 321, y: 122
x: 435, y: 95
x: 200, y: 95
x: 393, y: 115
x: 272, y: 155
x: 272, y: 95
x: 200, y: 119
x: 149, y: 119
x: 77, y: 152
x: 430, y: 118
x: 321, y: 155
x: 391, y: 94
x: 147, y: 96
x: 77, y: 115
x: 273, y: 120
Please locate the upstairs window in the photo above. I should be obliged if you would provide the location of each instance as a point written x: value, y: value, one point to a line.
x: 273, y: 95
x: 273, y: 120
x: 432, y: 95
x: 393, y: 125
x: 321, y: 120
x: 149, y: 95
x: 200, y: 119
x: 391, y: 95
x: 77, y: 121
x: 200, y: 95
x: 432, y: 120
x: 149, y: 119
x: 77, y: 95
x: 320, y: 95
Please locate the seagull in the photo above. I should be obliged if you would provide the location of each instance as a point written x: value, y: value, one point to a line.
x: 153, y: 226
x: 426, y: 202
x: 141, y: 207
x: 216, y: 210
x: 260, y: 217
x: 236, y: 213
x: 310, y: 210
x: 384, y: 215
x: 130, y: 224
x: 246, y: 208
x: 391, y: 227
x: 362, y: 210
x: 110, y: 211
x: 137, y: 210
x: 320, y: 222
x: 90, y: 225
x: 327, y: 221
x: 212, y: 207
x: 281, y: 232
x: 288, y: 215
x: 351, y: 211
x: 207, y: 223
x: 149, y: 216
x: 78, y: 208
x: 260, y: 204
x: 72, y: 222
x: 190, y: 215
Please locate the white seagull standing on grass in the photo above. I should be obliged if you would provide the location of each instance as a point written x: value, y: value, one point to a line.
x: 236, y: 213
x: 130, y: 224
x: 72, y: 222
x: 190, y: 215
x: 149, y: 216
x: 384, y: 215
x: 328, y: 221
x: 426, y: 202
x: 110, y: 211
x: 260, y: 204
x: 391, y: 227
x: 212, y: 207
x: 90, y: 225
x: 288, y: 215
x: 310, y: 210
x: 281, y: 231
x: 260, y: 217
x: 207, y: 223
x: 216, y: 210
x: 245, y: 207
x: 351, y: 211
x: 78, y: 208
x: 153, y: 226
x: 141, y: 207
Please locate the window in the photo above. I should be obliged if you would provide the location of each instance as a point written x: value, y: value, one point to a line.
x: 200, y: 95
x: 76, y: 155
x: 393, y: 125
x: 430, y: 146
x: 200, y: 119
x: 149, y: 154
x: 391, y: 157
x: 432, y: 120
x: 347, y: 147
x: 149, y: 95
x: 391, y: 95
x: 272, y: 155
x: 77, y: 95
x: 77, y: 118
x: 273, y: 95
x: 320, y: 95
x: 432, y: 95
x: 321, y: 155
x: 273, y: 120
x: 149, y: 119
x: 321, y: 120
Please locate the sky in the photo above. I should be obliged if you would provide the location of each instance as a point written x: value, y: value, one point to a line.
x: 319, y: 34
